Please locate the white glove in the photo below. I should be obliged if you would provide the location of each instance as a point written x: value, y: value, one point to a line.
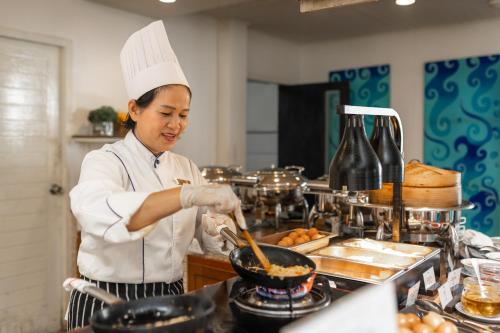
x: 212, y: 225
x: 219, y: 198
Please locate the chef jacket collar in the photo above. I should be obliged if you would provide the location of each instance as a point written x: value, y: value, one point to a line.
x: 133, y: 141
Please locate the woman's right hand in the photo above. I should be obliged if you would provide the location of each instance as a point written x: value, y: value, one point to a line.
x: 218, y: 198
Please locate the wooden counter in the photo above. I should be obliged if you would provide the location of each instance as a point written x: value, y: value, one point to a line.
x: 205, y: 269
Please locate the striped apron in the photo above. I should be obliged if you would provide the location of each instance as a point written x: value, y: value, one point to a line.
x: 82, y: 306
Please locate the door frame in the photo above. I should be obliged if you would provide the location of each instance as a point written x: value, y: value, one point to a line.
x: 63, y: 226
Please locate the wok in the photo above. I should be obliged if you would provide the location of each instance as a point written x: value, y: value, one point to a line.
x: 242, y: 259
x: 146, y: 315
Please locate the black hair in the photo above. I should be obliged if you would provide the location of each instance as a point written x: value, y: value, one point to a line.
x: 144, y: 101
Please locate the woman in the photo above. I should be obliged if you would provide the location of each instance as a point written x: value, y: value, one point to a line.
x: 136, y: 222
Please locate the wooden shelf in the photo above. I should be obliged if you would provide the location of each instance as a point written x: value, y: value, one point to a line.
x: 95, y: 139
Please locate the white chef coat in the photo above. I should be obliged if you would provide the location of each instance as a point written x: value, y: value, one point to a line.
x: 114, y: 182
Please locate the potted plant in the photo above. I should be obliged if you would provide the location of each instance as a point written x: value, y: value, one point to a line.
x: 102, y: 120
x: 120, y: 128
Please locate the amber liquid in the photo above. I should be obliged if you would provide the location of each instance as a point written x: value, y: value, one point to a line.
x: 488, y: 306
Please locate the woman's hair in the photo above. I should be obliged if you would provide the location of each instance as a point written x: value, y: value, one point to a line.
x: 144, y: 101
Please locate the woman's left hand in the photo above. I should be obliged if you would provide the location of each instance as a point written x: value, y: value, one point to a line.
x: 213, y: 223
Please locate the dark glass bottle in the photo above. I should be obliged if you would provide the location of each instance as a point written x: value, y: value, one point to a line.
x: 387, y: 151
x: 355, y: 166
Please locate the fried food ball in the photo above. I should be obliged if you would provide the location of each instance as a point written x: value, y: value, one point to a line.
x: 412, y: 319
x: 404, y: 330
x: 402, y: 320
x: 313, y: 231
x: 300, y: 240
x: 422, y: 328
x: 306, y: 237
x: 287, y: 240
x: 283, y: 243
x: 447, y: 327
x: 293, y: 235
x: 433, y: 320
x: 300, y: 231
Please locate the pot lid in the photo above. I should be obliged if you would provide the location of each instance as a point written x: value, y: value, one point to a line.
x: 220, y: 174
x: 279, y: 178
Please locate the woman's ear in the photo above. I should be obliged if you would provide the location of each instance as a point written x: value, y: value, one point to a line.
x: 133, y: 109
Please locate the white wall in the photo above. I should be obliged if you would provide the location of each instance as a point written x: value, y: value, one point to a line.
x: 406, y: 52
x: 97, y: 34
x: 272, y: 59
x: 194, y: 39
x: 231, y: 106
x: 262, y: 125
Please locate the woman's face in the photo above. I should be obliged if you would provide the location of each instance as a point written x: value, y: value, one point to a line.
x: 160, y: 124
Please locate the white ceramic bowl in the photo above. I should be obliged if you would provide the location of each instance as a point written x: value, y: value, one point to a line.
x: 468, y: 263
x: 493, y: 256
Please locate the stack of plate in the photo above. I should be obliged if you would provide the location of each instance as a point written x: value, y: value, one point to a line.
x: 469, y: 269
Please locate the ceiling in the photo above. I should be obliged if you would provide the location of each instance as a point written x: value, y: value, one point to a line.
x: 281, y: 18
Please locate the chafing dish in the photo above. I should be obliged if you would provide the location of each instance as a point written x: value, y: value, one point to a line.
x: 220, y: 174
x: 423, y: 225
x: 332, y: 207
x: 283, y: 186
x: 274, y: 189
x: 356, y: 262
x: 366, y: 256
x: 390, y: 248
x: 353, y: 270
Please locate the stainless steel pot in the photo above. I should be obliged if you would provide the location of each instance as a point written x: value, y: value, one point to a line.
x: 273, y: 186
x: 220, y: 174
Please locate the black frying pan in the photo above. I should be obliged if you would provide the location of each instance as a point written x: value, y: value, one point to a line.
x: 149, y: 315
x: 242, y: 258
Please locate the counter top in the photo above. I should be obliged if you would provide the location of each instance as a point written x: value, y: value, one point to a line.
x: 223, y: 319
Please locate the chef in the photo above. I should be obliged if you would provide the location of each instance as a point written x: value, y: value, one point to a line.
x: 136, y: 221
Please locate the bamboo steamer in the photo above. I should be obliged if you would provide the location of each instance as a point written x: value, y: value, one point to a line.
x: 424, y: 186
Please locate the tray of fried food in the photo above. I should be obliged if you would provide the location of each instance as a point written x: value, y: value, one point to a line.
x: 300, y: 239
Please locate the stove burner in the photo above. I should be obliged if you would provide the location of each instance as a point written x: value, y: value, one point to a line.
x: 282, y: 294
x: 249, y: 300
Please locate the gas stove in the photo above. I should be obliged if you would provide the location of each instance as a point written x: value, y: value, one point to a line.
x: 240, y: 309
x: 255, y: 306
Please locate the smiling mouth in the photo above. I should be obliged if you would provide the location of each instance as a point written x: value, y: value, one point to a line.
x: 169, y: 137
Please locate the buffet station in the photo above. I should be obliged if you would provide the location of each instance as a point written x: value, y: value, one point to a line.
x: 372, y: 221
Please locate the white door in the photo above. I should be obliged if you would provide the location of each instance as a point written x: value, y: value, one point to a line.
x: 30, y: 161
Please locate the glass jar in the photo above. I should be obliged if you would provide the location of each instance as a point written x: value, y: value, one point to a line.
x: 482, y: 301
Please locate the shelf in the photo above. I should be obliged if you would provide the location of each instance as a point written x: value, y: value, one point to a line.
x: 95, y: 139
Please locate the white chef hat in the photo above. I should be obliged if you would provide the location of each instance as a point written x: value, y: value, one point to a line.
x: 149, y: 62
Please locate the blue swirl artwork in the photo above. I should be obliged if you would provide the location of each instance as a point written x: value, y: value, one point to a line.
x: 462, y: 131
x: 368, y: 86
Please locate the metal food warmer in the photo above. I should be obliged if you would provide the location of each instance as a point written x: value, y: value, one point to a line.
x: 356, y: 262
x: 218, y: 174
x: 351, y: 214
x: 274, y: 194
